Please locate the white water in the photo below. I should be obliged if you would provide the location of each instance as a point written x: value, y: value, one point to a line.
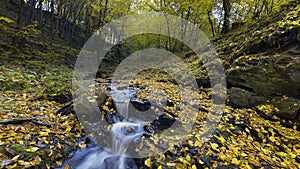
x: 123, y: 135
x: 121, y: 99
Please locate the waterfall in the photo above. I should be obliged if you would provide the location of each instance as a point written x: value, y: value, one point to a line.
x: 121, y: 99
x: 123, y: 133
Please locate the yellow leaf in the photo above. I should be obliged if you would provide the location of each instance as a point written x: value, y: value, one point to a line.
x: 235, y: 150
x: 293, y: 155
x: 82, y: 145
x: 32, y: 149
x: 24, y: 163
x: 171, y: 164
x: 188, y: 158
x: 243, y: 154
x: 200, y: 161
x: 108, y: 127
x: 198, y: 143
x: 68, y: 129
x: 148, y: 162
x: 214, y: 146
x: 67, y: 166
x: 181, y: 159
x: 222, y: 156
x: 51, y: 152
x: 23, y: 128
x: 159, y: 167
x: 221, y: 139
x: 283, y: 163
x: 65, y: 123
x: 45, y: 141
x: 15, y: 157
x: 272, y: 139
x: 58, y: 163
x: 32, y: 143
x: 247, y: 166
x: 21, y: 142
x: 43, y: 133
x: 14, y: 166
x: 282, y: 154
x: 104, y: 107
x: 235, y: 161
x: 194, y: 166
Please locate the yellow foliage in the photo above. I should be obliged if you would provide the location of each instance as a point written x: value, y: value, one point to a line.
x: 148, y: 162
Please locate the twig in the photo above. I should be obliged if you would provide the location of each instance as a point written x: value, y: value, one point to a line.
x: 32, y: 120
x: 66, y: 109
x: 17, y: 121
x: 40, y: 123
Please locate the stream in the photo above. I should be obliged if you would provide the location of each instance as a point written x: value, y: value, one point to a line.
x: 123, y: 132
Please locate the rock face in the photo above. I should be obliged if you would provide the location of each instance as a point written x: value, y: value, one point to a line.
x: 244, y: 98
x: 257, y: 78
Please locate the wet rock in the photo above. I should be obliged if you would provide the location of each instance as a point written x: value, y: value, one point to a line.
x: 161, y: 123
x: 141, y: 105
x: 79, y: 157
x: 244, y: 98
x: 164, y: 122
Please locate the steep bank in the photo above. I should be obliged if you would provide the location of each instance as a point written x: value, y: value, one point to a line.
x: 262, y: 63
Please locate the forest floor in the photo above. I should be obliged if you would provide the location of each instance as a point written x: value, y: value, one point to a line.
x: 35, y: 82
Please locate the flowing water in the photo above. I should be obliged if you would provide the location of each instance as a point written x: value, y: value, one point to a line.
x: 123, y: 133
x: 121, y: 99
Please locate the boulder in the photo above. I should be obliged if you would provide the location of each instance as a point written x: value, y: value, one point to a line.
x: 257, y: 78
x: 244, y: 98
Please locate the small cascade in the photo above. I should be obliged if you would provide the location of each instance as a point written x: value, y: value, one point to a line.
x: 97, y: 158
x: 121, y: 99
x: 123, y: 134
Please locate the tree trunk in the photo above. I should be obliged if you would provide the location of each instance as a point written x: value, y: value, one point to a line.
x: 104, y: 12
x: 41, y: 13
x: 30, y: 8
x: 211, y: 23
x: 59, y: 14
x: 34, y: 15
x: 47, y: 14
x: 19, y: 21
x: 87, y: 21
x: 20, y: 15
x: 226, y: 22
x: 100, y: 24
x: 52, y: 18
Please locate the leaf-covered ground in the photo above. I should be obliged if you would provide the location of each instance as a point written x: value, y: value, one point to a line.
x: 31, y: 132
x: 248, y: 138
